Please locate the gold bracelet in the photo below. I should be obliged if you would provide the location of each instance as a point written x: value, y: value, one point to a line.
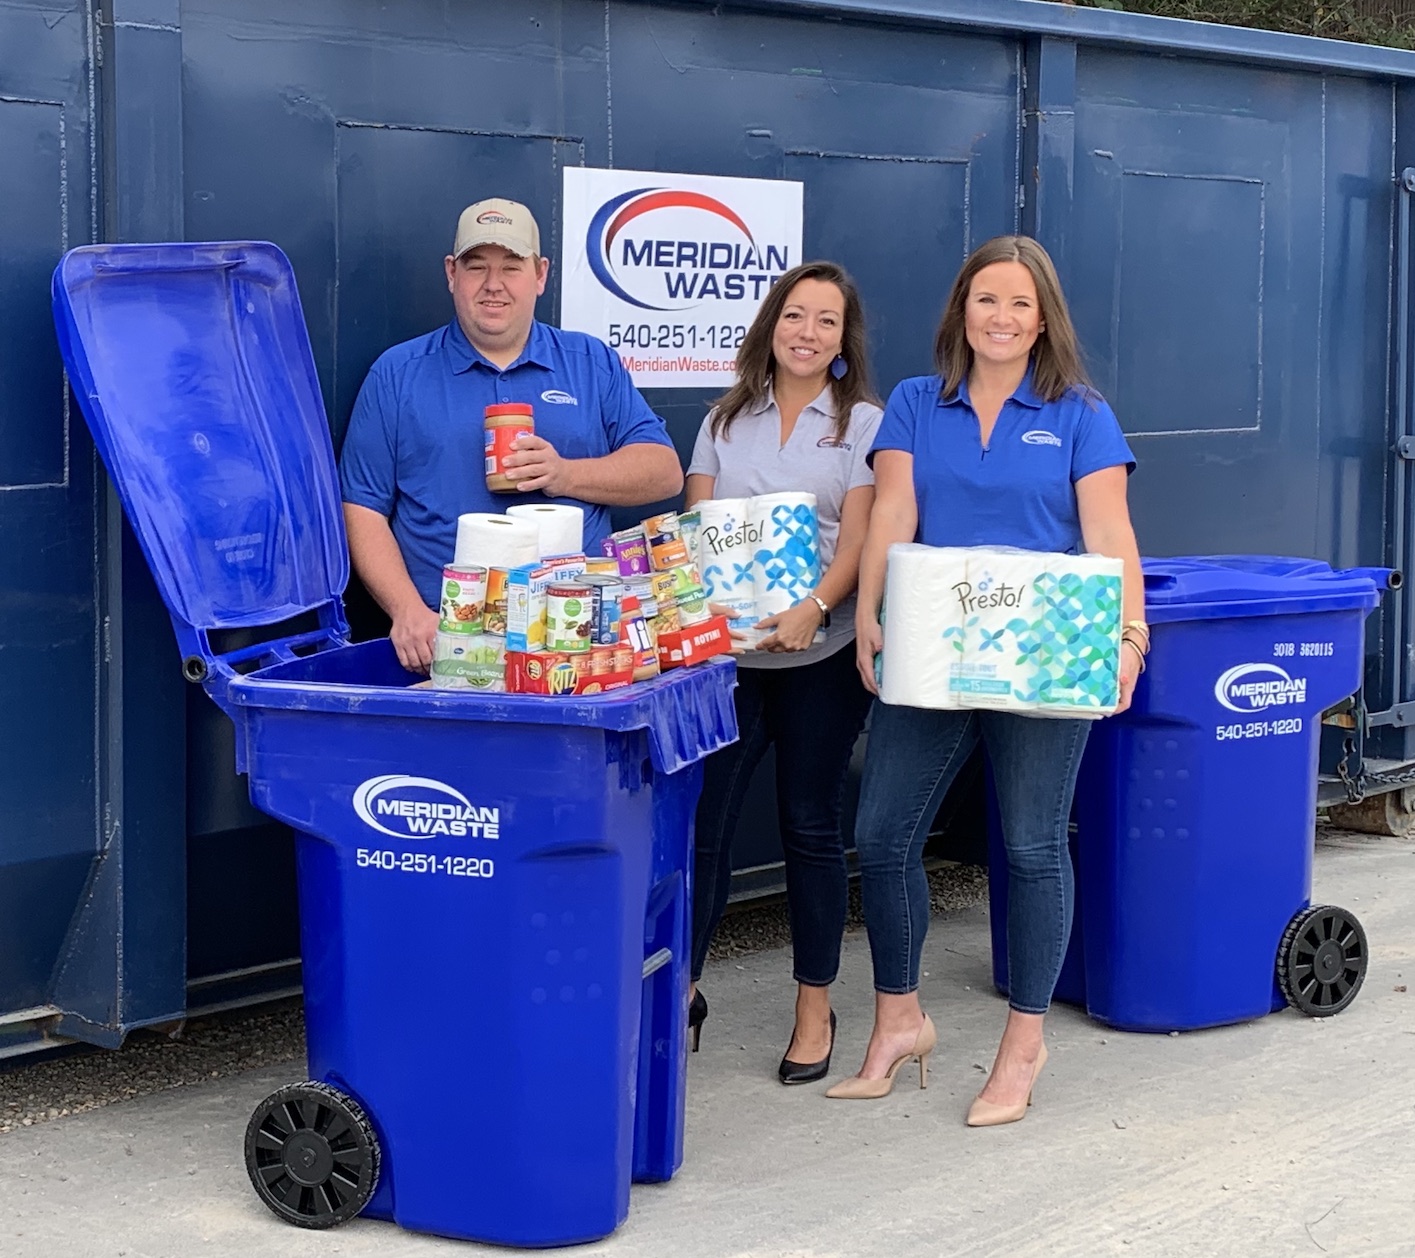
x: 1139, y: 626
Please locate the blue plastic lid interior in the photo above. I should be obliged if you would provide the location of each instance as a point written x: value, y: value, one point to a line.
x: 192, y: 365
x: 1211, y: 587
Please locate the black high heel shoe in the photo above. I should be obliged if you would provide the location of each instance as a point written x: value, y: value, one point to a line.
x: 807, y: 1072
x: 697, y: 1015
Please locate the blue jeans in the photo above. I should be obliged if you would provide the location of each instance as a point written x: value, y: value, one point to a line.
x: 912, y: 759
x: 813, y: 714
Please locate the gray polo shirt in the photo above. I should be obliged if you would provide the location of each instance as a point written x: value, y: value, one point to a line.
x: 750, y: 460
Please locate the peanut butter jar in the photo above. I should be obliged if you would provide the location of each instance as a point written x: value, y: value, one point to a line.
x: 503, y: 425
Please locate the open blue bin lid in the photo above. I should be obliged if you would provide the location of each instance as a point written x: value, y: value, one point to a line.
x: 1228, y: 586
x: 193, y: 367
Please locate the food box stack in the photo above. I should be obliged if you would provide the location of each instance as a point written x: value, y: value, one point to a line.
x: 567, y: 623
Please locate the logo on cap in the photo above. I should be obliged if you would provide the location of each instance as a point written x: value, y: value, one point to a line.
x: 494, y: 216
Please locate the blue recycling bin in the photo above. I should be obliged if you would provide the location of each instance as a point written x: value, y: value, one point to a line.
x: 494, y: 889
x: 1192, y: 828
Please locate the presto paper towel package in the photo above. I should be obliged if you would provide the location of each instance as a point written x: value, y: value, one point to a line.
x: 1018, y: 630
x: 759, y: 556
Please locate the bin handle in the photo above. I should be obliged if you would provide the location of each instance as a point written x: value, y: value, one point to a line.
x: 679, y: 737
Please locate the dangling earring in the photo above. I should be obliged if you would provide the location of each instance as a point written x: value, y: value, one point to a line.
x: 839, y: 367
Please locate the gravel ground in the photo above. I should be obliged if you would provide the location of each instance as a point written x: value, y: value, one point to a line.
x: 37, y: 1091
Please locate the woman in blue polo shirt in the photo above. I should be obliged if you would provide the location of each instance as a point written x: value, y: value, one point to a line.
x: 800, y: 418
x: 1006, y: 446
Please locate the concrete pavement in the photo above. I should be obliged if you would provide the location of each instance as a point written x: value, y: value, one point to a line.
x: 1286, y: 1136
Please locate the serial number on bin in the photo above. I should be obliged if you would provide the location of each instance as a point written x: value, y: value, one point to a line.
x: 1259, y: 729
x: 425, y: 863
x: 1305, y: 649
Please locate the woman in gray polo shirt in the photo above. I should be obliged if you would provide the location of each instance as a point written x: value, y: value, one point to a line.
x: 800, y: 417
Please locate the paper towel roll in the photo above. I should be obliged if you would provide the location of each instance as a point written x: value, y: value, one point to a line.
x: 1023, y: 631
x: 725, y: 553
x: 786, y: 565
x: 562, y: 528
x: 496, y: 541
x: 923, y: 625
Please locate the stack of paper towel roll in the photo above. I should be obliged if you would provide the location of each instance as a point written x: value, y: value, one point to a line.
x: 993, y: 627
x: 496, y: 541
x: 561, y: 528
x: 759, y: 556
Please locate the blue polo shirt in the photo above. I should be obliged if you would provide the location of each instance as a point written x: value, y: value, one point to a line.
x: 1019, y: 490
x: 415, y: 450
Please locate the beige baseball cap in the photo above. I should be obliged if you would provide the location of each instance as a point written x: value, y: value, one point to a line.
x: 498, y: 222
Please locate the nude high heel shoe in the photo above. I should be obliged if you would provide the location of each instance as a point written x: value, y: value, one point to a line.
x: 987, y: 1114
x: 857, y: 1089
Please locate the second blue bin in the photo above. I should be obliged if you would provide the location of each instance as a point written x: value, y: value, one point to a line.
x: 1193, y: 821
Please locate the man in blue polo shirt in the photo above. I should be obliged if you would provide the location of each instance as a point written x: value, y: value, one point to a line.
x: 414, y: 456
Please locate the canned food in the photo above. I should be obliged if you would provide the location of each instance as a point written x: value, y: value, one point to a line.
x: 605, y: 567
x: 667, y: 621
x: 667, y: 523
x: 503, y: 425
x: 608, y: 594
x: 690, y: 524
x: 693, y: 612
x: 494, y: 621
x: 667, y: 550
x: 630, y: 552
x: 569, y: 616
x: 687, y: 583
x: 642, y: 589
x: 664, y: 585
x: 463, y: 598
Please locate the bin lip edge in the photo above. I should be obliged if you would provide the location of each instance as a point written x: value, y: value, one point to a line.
x: 1259, y: 609
x: 627, y: 708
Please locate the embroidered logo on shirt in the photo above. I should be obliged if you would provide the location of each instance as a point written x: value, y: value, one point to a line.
x: 833, y: 443
x: 560, y: 398
x: 1040, y: 437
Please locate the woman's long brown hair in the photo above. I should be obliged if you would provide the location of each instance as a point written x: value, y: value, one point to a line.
x: 1056, y: 357
x: 756, y: 365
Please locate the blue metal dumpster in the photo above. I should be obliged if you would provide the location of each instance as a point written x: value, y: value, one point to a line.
x: 1194, y: 809
x: 493, y: 889
x: 1227, y: 208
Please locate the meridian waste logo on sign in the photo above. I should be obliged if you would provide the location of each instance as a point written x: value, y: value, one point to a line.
x: 1257, y: 687
x: 669, y: 270
x: 407, y: 807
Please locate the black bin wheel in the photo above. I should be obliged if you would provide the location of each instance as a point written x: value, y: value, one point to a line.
x: 312, y: 1155
x: 1321, y: 961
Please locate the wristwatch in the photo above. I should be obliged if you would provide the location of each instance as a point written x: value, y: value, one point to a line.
x: 825, y: 611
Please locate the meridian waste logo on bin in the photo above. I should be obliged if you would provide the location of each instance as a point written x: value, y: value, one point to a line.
x: 407, y: 807
x: 1257, y: 687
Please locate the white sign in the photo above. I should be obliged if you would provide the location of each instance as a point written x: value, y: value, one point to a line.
x: 670, y: 269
